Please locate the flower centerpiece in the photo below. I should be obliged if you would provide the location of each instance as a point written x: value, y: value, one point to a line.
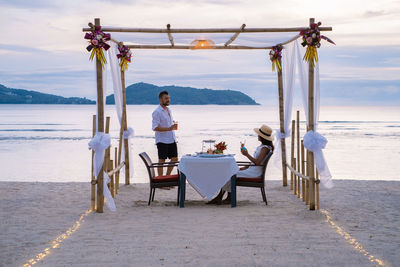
x: 275, y: 56
x: 97, y: 42
x: 220, y: 147
x: 312, y: 39
x: 124, y: 56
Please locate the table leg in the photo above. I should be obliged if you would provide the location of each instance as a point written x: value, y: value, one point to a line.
x: 233, y: 191
x: 182, y: 181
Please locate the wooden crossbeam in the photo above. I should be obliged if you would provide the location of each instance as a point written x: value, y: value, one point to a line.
x: 188, y: 47
x: 208, y: 30
x: 235, y: 36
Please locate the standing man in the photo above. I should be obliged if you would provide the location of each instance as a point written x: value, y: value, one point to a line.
x: 164, y: 127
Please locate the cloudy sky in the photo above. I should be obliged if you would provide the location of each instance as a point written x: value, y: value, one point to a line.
x: 42, y: 46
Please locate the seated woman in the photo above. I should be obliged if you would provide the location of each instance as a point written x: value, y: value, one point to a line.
x: 264, y: 134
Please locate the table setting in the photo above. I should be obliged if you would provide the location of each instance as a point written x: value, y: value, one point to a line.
x: 207, y: 172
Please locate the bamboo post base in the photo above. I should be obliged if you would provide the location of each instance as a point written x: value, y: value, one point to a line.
x: 116, y: 174
x: 93, y: 178
x: 111, y: 185
x: 294, y: 177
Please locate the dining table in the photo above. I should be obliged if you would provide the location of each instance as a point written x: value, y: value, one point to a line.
x: 207, y: 174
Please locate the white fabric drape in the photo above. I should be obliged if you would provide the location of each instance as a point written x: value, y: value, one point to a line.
x: 116, y: 78
x: 289, y: 75
x: 99, y: 143
x: 313, y: 141
x: 117, y: 87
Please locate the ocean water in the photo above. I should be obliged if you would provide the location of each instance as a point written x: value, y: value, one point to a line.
x: 50, y: 142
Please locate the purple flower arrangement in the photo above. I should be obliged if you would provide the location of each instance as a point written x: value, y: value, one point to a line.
x: 312, y: 39
x: 275, y: 55
x: 97, y: 42
x: 125, y: 56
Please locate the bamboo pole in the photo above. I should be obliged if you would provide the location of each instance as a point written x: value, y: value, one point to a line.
x: 171, y: 39
x: 117, y: 173
x: 317, y: 189
x: 100, y: 125
x: 110, y: 167
x: 310, y: 161
x: 307, y: 182
x: 125, y: 125
x: 292, y: 176
x: 117, y: 168
x: 204, y: 30
x: 303, y: 188
x: 298, y: 151
x: 282, y: 126
x: 107, y: 154
x: 235, y: 35
x: 297, y: 173
x: 296, y: 189
x: 93, y: 178
x: 218, y: 47
x: 121, y: 131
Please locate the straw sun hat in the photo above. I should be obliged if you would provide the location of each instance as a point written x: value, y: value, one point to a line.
x: 265, y: 132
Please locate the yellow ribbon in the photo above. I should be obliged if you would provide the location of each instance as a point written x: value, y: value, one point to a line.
x: 123, y: 63
x: 276, y: 63
x: 311, y: 55
x: 98, y: 51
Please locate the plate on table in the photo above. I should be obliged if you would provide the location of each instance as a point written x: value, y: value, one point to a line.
x: 212, y: 155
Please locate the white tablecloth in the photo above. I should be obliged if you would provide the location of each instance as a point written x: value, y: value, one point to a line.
x: 208, y: 175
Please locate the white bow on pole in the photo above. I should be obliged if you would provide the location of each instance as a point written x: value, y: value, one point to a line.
x: 315, y: 142
x: 99, y: 143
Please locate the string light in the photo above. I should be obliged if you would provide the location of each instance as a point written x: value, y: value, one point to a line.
x: 56, y: 242
x: 352, y: 241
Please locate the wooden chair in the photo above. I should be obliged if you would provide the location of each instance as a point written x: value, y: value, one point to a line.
x: 159, y: 181
x: 254, y: 181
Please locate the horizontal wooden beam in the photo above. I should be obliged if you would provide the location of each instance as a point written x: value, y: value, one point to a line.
x: 189, y: 47
x: 209, y: 30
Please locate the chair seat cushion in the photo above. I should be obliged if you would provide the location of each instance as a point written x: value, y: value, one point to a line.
x: 166, y: 178
x: 252, y: 179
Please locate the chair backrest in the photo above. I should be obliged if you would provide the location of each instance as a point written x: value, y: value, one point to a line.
x: 147, y: 161
x: 266, y: 164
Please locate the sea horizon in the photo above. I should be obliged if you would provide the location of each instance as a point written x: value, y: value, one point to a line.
x: 50, y: 141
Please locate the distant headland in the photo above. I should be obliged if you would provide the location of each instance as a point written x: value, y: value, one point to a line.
x: 145, y: 93
x: 136, y: 94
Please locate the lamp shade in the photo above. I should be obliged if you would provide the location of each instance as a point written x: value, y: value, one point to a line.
x: 202, y: 44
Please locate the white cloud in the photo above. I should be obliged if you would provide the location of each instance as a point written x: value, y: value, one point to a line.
x: 44, y: 37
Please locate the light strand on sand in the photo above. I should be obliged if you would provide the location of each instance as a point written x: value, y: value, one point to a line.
x: 352, y: 241
x: 56, y: 242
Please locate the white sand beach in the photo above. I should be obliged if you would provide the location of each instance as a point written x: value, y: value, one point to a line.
x: 284, y: 233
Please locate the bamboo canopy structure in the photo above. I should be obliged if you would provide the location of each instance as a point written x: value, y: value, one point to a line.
x: 309, y: 179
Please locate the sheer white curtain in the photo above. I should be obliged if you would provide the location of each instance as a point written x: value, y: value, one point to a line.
x: 117, y: 88
x: 289, y: 75
x: 313, y: 140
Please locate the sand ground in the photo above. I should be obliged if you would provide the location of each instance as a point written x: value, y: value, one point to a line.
x: 284, y: 233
